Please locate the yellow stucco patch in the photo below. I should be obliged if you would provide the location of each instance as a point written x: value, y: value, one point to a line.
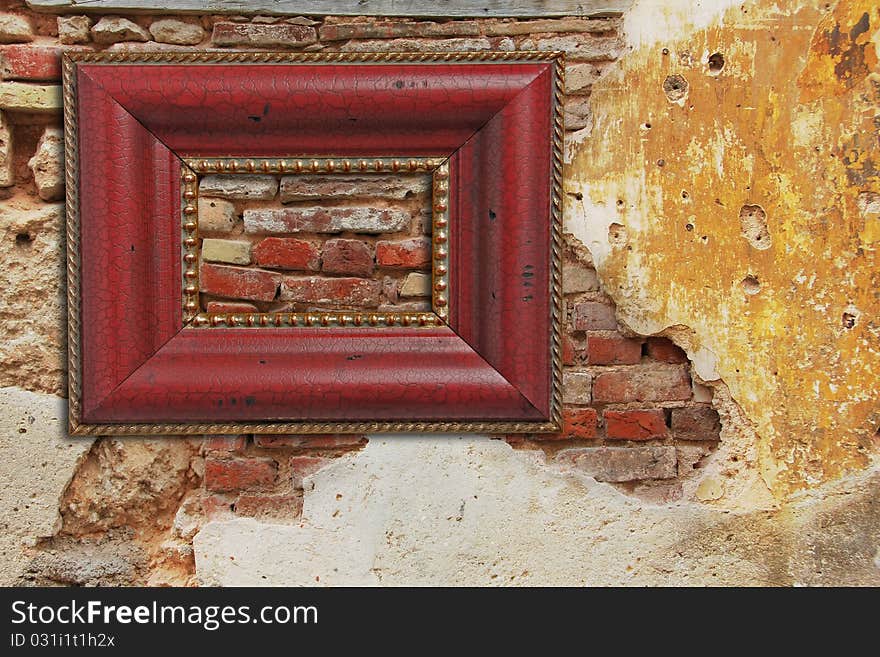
x: 777, y: 138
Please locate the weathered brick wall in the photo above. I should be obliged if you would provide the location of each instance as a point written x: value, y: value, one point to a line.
x: 633, y: 415
x: 310, y: 243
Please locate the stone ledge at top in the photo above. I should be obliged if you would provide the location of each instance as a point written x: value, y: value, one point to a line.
x: 456, y: 9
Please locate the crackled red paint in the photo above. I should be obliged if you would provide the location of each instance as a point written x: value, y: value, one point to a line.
x: 491, y: 363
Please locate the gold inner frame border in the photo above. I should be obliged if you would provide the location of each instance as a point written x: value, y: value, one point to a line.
x: 437, y: 166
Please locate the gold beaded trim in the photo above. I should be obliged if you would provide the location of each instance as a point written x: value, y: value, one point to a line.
x: 437, y: 166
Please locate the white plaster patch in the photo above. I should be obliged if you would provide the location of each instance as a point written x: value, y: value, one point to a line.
x: 38, y: 463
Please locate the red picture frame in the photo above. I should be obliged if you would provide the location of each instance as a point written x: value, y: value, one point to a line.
x: 140, y: 127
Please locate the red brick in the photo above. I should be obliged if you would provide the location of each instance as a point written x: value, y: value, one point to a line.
x: 224, y: 475
x: 613, y: 350
x: 286, y: 253
x: 665, y: 350
x: 412, y: 253
x: 315, y: 441
x: 568, y: 352
x: 217, y: 507
x: 332, y: 291
x: 270, y: 507
x: 225, y: 443
x: 635, y: 425
x: 302, y: 466
x: 28, y: 62
x: 639, y: 384
x: 353, y: 257
x: 700, y: 422
x: 238, y: 282
x: 261, y: 34
x: 231, y: 307
x: 593, y: 316
x: 579, y: 423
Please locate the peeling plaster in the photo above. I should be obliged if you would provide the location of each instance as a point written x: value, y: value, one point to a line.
x: 789, y: 123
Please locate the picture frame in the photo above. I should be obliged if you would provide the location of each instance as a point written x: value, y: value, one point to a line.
x: 145, y: 359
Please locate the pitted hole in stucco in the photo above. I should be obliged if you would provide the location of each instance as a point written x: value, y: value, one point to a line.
x: 689, y: 227
x: 617, y: 235
x: 751, y: 285
x: 753, y: 224
x: 716, y: 63
x: 676, y: 88
x: 849, y: 320
x: 24, y: 239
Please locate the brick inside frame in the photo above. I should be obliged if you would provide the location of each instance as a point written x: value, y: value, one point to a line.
x: 491, y: 365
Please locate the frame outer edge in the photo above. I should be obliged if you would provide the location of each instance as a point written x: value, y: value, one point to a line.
x: 556, y: 230
x: 71, y: 174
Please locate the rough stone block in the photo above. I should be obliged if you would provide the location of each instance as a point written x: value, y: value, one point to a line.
x: 577, y: 278
x: 239, y: 187
x: 619, y: 464
x: 47, y: 165
x: 7, y: 175
x: 15, y: 29
x: 584, y: 48
x: 74, y: 29
x: 169, y: 30
x: 113, y: 29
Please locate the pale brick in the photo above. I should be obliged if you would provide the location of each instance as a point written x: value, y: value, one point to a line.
x: 216, y: 215
x: 259, y: 34
x: 395, y: 29
x: 557, y: 25
x: 577, y: 387
x: 15, y: 29
x: 579, y: 78
x: 619, y: 464
x: 240, y: 187
x: 406, y: 307
x: 113, y: 29
x: 23, y: 97
x: 418, y: 45
x: 325, y: 220
x: 593, y: 316
x: 584, y: 48
x: 169, y: 30
x: 416, y: 284
x: 577, y: 113
x: 233, y: 252
x: 315, y: 188
x: 74, y: 29
x: 577, y: 278
x: 7, y: 176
